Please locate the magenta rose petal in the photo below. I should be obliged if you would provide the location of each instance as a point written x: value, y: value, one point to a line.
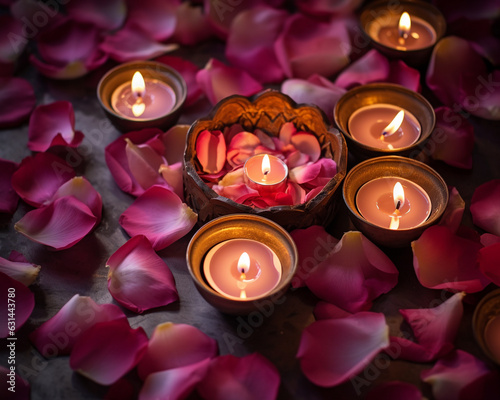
x: 138, y: 278
x: 489, y: 257
x: 372, y: 67
x: 485, y: 206
x: 60, y: 225
x: 321, y: 8
x: 53, y: 125
x: 403, y: 75
x: 325, y: 310
x: 218, y: 81
x: 192, y: 25
x: 314, y: 174
x: 9, y: 198
x: 108, y: 16
x: 175, y: 345
x: 250, y: 44
x: 454, y: 211
x: 211, y: 151
x: 58, y: 335
x: 24, y: 304
x: 12, y: 44
x: 453, y: 373
x: 173, y: 176
x: 443, y: 260
x: 157, y: 18
x: 80, y: 188
x: 144, y: 164
x: 355, y: 340
x: 22, y: 271
x: 17, y: 100
x: 22, y: 387
x: 108, y: 350
x: 252, y: 377
x: 353, y: 274
x: 394, y: 390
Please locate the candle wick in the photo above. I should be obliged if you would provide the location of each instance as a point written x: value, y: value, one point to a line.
x: 398, y: 205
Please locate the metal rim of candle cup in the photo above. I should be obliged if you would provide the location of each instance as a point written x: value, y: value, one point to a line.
x: 149, y: 69
x: 486, y: 309
x: 386, y: 9
x: 262, y: 187
x: 241, y: 226
x: 397, y: 166
x: 384, y: 93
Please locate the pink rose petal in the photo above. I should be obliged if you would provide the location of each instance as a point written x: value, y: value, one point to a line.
x: 175, y: 345
x: 325, y: 310
x: 252, y: 377
x: 250, y: 44
x: 240, y: 193
x: 307, y: 143
x: 481, y: 96
x: 22, y: 387
x: 485, y: 206
x: 192, y: 26
x: 355, y: 340
x: 53, y: 125
x: 60, y: 225
x: 9, y: 198
x: 211, y: 151
x: 157, y: 18
x: 21, y: 271
x: 17, y: 100
x: 353, y: 274
x: 242, y: 146
x: 174, y: 141
x: 58, y: 335
x: 327, y: 8
x: 454, y: 211
x: 24, y: 302
x: 402, y: 74
x: 489, y: 262
x: 174, y: 384
x: 138, y: 278
x: 29, y: 11
x: 108, y: 15
x: 314, y: 174
x: 218, y: 81
x: 372, y: 67
x: 108, y: 350
x: 394, y: 390
x: 173, y: 176
x: 443, y: 260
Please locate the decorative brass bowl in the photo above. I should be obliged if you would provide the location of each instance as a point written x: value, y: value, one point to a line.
x: 268, y: 112
x: 486, y: 310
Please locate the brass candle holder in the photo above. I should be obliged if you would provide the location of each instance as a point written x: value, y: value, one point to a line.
x: 487, y: 310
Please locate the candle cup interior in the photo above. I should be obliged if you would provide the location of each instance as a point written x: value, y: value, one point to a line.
x: 487, y: 309
x: 385, y: 12
x: 240, y: 226
x: 384, y: 93
x: 150, y: 70
x: 413, y: 170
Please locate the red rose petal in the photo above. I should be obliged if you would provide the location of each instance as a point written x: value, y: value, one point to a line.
x: 488, y: 239
x: 17, y: 100
x: 489, y: 262
x: 108, y: 350
x: 372, y: 67
x: 21, y: 271
x: 138, y: 278
x: 403, y: 75
x: 394, y: 390
x: 322, y: 8
x: 211, y: 151
x: 9, y: 198
x: 12, y: 43
x: 454, y: 211
x: 24, y: 302
x: 108, y: 15
x: 485, y: 206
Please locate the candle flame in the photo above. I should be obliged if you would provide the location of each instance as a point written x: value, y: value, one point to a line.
x: 394, y: 222
x: 243, y: 294
x: 266, y: 165
x: 244, y: 264
x: 138, y: 85
x: 404, y: 25
x: 398, y: 195
x: 394, y: 125
x: 138, y: 108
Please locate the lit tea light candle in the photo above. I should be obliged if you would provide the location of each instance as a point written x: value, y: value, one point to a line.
x: 492, y: 337
x: 265, y: 172
x: 384, y: 126
x: 393, y: 202
x: 242, y: 269
x: 143, y: 99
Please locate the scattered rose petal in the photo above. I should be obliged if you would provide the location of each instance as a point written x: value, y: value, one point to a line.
x: 252, y: 377
x: 250, y: 44
x: 485, y: 206
x: 489, y: 262
x: 307, y: 46
x: 106, y: 15
x: 325, y: 310
x: 175, y: 345
x: 21, y: 271
x: 218, y: 81
x: 138, y: 278
x: 322, y: 8
x: 402, y: 74
x: 394, y: 390
x: 192, y: 25
x: 353, y: 274
x: 454, y: 211
x: 17, y: 100
x: 58, y: 335
x: 22, y: 387
x: 28, y: 11
x: 314, y: 174
x: 443, y: 260
x: 108, y: 350
x: 175, y: 383
x: 157, y: 18
x: 24, y: 304
x: 172, y: 174
x: 12, y: 43
x: 240, y: 193
x: 355, y: 340
x: 175, y: 140
x: 488, y: 239
x: 211, y: 151
x: 53, y: 125
x: 372, y: 67
x: 60, y: 225
x: 9, y: 198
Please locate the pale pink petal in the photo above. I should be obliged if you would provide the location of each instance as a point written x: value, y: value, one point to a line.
x: 372, y: 67
x: 296, y: 192
x: 394, y: 390
x: 218, y: 81
x: 60, y: 225
x: 402, y: 74
x: 144, y: 164
x: 252, y: 377
x: 327, y: 8
x: 489, y: 262
x: 308, y: 144
x: 132, y: 43
x: 485, y: 206
x: 173, y: 346
x: 333, y: 350
x: 307, y: 46
x: 242, y: 146
x: 9, y: 198
x: 174, y: 384
x: 314, y: 245
x: 453, y: 373
x: 314, y: 174
x: 108, y: 15
x: 211, y: 151
x: 265, y: 139
x: 80, y: 188
x: 23, y: 300
x: 53, y: 125
x: 250, y: 44
x: 138, y: 278
x: 108, y: 350
x: 17, y: 100
x: 21, y: 271
x: 443, y: 260
x: 192, y: 26
x: 22, y: 387
x: 234, y: 177
x: 58, y: 335
x: 39, y: 176
x: 454, y: 211
x: 325, y: 310
x: 173, y: 175
x: 155, y: 17
x: 353, y: 274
